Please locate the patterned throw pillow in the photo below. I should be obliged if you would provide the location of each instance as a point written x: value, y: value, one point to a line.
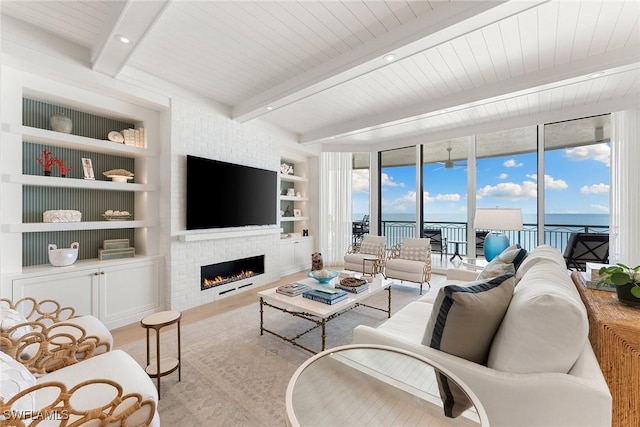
x: 463, y: 322
x: 414, y: 253
x: 15, y: 377
x: 507, y: 262
x: 10, y: 318
x: 369, y: 248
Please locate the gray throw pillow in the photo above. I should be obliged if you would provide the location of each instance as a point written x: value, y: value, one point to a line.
x: 463, y: 322
x: 507, y: 262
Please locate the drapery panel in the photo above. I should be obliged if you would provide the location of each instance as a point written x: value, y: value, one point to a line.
x: 335, y: 206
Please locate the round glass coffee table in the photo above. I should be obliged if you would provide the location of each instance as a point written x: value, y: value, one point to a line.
x: 364, y: 384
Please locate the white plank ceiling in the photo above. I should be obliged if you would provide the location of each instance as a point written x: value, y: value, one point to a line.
x: 318, y: 68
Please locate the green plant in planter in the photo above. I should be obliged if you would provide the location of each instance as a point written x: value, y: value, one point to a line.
x: 621, y: 275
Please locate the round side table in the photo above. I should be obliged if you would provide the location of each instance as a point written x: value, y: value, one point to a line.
x: 164, y: 365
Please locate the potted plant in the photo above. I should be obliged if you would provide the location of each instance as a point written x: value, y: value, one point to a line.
x: 627, y: 281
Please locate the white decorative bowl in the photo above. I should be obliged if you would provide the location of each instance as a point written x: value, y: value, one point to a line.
x: 63, y: 257
x: 61, y: 216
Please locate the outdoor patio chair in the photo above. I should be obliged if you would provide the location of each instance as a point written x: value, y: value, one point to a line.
x: 368, y: 256
x: 438, y: 242
x: 480, y: 236
x: 360, y: 228
x: 586, y: 247
x: 410, y: 261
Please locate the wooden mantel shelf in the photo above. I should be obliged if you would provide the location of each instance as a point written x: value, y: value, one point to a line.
x: 614, y: 333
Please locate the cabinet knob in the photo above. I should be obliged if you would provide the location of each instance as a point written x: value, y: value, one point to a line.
x: 96, y: 273
x: 102, y: 272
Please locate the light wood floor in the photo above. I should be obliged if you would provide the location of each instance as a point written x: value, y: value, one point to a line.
x: 134, y: 332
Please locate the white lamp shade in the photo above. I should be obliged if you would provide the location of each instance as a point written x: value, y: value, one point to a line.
x: 498, y: 219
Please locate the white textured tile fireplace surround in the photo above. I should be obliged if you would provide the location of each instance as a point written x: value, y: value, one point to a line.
x: 202, y: 130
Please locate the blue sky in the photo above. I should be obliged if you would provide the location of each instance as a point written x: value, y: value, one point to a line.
x: 576, y: 181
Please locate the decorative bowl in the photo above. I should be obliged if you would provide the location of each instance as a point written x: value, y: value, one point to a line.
x: 63, y: 257
x: 323, y: 276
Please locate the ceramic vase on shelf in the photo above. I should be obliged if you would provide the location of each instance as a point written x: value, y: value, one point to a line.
x: 61, y: 123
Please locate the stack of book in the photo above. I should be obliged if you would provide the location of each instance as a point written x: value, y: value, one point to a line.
x: 353, y: 285
x: 116, y: 249
x: 292, y: 289
x: 325, y: 295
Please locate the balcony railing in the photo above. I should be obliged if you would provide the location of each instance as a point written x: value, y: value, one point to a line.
x: 556, y: 235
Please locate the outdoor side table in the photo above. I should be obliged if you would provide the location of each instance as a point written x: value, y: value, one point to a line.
x: 163, y: 365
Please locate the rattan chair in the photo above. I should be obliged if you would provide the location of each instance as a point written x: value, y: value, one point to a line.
x: 48, y: 335
x: 368, y: 256
x: 410, y: 261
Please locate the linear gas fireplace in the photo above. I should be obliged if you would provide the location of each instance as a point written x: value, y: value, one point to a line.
x: 213, y: 275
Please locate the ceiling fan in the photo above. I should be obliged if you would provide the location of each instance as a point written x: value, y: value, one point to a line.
x: 450, y: 164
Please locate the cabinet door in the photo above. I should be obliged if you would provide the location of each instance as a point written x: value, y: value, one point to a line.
x: 73, y: 289
x: 128, y: 292
x: 287, y: 255
x: 303, y: 253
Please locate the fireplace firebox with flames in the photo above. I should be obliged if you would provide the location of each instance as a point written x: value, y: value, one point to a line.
x: 221, y: 273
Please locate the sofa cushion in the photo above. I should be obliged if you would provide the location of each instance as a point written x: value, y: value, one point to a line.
x: 414, y: 253
x: 542, y: 253
x: 508, y: 261
x: 15, y: 377
x: 545, y: 327
x: 463, y: 322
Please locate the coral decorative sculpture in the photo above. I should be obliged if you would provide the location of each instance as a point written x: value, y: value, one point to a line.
x: 61, y: 167
x: 47, y: 161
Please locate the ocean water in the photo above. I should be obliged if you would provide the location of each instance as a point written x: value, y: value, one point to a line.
x: 550, y: 219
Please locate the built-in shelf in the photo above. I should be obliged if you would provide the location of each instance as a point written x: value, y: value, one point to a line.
x: 294, y: 198
x: 227, y: 234
x: 37, y: 227
x: 52, y: 181
x: 293, y: 218
x: 293, y: 178
x: 59, y: 139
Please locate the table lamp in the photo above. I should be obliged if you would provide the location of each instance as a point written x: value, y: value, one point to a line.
x: 497, y: 220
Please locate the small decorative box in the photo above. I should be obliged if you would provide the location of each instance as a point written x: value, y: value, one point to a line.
x: 61, y: 216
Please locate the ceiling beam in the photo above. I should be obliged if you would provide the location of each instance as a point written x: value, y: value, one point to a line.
x: 624, y: 57
x: 443, y: 24
x: 131, y: 19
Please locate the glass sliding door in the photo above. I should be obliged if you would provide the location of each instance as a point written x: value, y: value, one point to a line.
x: 360, y: 195
x: 577, y: 177
x: 444, y: 201
x: 398, y: 210
x: 506, y: 177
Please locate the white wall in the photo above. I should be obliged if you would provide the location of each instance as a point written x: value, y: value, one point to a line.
x: 205, y: 130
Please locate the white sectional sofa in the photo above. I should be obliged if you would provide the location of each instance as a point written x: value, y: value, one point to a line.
x: 541, y: 370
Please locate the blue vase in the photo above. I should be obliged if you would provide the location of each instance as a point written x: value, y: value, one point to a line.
x: 494, y: 244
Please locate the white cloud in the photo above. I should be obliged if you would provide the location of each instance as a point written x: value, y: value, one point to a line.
x: 598, y: 152
x: 511, y: 163
x: 503, y: 176
x: 448, y: 197
x: 360, y: 180
x: 550, y: 182
x: 510, y: 191
x: 427, y: 198
x: 601, y: 208
x: 595, y: 189
x: 387, y: 181
x: 401, y: 204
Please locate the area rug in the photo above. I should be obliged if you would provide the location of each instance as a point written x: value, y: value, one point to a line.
x: 233, y: 376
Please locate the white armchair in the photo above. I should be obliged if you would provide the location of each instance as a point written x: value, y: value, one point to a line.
x: 410, y: 261
x: 371, y: 248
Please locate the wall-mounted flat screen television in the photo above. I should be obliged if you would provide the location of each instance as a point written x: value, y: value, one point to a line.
x: 221, y: 194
